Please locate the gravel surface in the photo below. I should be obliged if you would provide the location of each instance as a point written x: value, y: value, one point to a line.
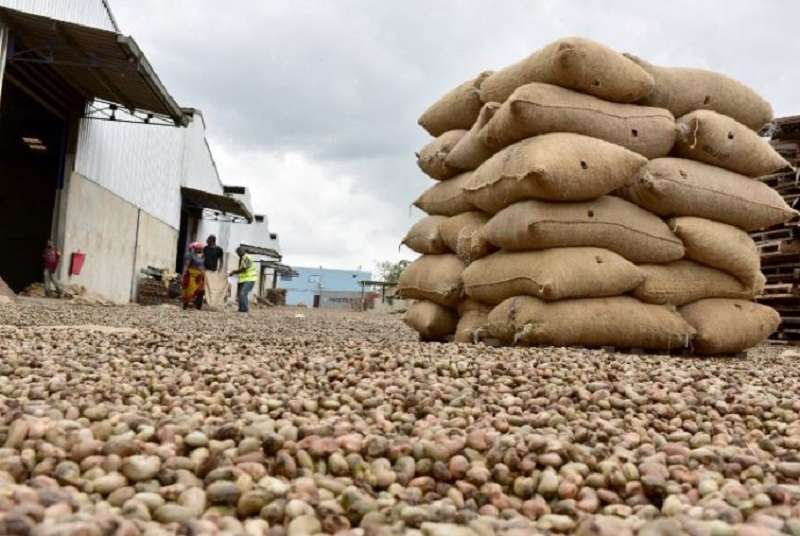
x: 135, y: 420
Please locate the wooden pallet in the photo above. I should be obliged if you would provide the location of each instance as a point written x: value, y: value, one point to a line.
x: 784, y: 232
x: 781, y: 290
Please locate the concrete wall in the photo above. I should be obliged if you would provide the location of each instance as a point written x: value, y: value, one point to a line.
x: 156, y: 245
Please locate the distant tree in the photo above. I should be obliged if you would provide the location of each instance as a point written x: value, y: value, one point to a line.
x: 390, y: 271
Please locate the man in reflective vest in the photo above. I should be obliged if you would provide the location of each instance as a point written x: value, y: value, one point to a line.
x: 248, y: 275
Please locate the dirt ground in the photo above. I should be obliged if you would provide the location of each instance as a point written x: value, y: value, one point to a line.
x: 154, y: 420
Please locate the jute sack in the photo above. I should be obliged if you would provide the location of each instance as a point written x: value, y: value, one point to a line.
x: 446, y: 198
x: 679, y: 187
x: 722, y: 141
x: 431, y: 159
x: 607, y: 222
x: 725, y: 326
x: 554, y: 167
x: 431, y: 320
x: 462, y: 234
x: 537, y: 109
x: 435, y: 278
x: 576, y: 63
x: 682, y: 90
x: 457, y: 109
x: 619, y: 321
x: 470, y: 152
x: 720, y: 246
x: 472, y: 321
x: 682, y: 282
x: 425, y: 236
x: 550, y: 274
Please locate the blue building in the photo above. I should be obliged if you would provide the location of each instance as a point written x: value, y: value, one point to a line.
x: 323, y: 287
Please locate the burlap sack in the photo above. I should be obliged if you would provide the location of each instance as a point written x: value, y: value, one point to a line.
x: 425, y: 237
x: 550, y: 274
x: 722, y: 141
x: 537, y: 109
x: 725, y: 326
x: 607, y: 222
x: 431, y: 159
x: 446, y: 198
x: 472, y: 321
x: 470, y: 152
x: 462, y: 234
x: 457, y: 109
x: 576, y: 63
x: 435, y: 278
x: 684, y: 281
x: 681, y: 90
x: 430, y: 319
x: 554, y: 167
x: 679, y: 187
x: 216, y: 288
x: 720, y: 246
x: 621, y: 321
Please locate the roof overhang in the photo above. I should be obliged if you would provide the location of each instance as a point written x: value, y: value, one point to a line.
x: 261, y: 251
x: 223, y: 204
x: 100, y: 64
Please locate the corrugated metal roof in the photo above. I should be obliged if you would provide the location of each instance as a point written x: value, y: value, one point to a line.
x: 220, y: 203
x: 100, y: 64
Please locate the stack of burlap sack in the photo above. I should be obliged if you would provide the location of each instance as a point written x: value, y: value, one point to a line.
x: 572, y: 208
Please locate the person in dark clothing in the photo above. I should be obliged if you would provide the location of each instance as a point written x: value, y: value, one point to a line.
x: 213, y: 254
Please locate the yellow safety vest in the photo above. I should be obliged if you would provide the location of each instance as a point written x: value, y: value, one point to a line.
x: 250, y: 272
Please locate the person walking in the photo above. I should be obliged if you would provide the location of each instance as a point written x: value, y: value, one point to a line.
x: 193, y: 280
x: 248, y: 275
x: 213, y: 255
x: 216, y: 281
x: 50, y: 258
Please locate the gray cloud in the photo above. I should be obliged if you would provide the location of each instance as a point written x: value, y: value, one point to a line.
x: 342, y: 84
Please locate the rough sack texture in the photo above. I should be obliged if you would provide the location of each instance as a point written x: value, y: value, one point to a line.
x: 720, y: 246
x: 541, y: 108
x: 607, y: 222
x: 679, y: 187
x: 457, y: 109
x: 725, y: 326
x: 472, y: 321
x: 425, y: 236
x: 684, y: 281
x: 722, y: 141
x: 620, y: 321
x: 431, y: 159
x: 446, y: 198
x: 470, y: 151
x: 463, y: 235
x: 682, y: 90
x: 554, y: 167
x: 436, y: 278
x: 576, y: 63
x: 550, y: 274
x: 430, y: 319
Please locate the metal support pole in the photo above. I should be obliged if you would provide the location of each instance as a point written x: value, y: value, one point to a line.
x: 3, y: 54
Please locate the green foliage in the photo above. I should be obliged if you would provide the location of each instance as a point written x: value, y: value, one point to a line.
x: 390, y: 271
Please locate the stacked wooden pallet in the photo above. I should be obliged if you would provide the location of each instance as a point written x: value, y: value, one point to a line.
x: 153, y: 292
x: 780, y: 245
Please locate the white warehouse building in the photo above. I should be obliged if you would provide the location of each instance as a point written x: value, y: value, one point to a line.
x: 99, y: 157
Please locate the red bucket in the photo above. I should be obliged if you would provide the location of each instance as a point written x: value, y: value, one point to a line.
x: 76, y: 263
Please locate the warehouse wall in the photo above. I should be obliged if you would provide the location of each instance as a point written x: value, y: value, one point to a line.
x: 156, y: 245
x: 87, y: 12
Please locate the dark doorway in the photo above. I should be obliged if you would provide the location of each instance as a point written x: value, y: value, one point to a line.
x: 187, y: 233
x: 316, y: 300
x: 31, y: 167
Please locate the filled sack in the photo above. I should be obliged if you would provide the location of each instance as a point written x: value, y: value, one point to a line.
x: 606, y: 222
x: 424, y: 236
x: 722, y: 141
x: 470, y: 151
x: 536, y: 109
x: 682, y: 90
x: 472, y: 321
x: 685, y: 281
x: 577, y: 63
x: 720, y: 246
x: 446, y: 198
x: 553, y: 167
x: 727, y: 326
x: 550, y: 274
x: 619, y: 321
x: 457, y: 109
x: 431, y: 320
x: 435, y: 278
x: 432, y: 158
x: 679, y: 187
x: 463, y: 235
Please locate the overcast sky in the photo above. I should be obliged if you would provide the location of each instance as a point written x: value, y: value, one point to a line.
x: 313, y: 104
